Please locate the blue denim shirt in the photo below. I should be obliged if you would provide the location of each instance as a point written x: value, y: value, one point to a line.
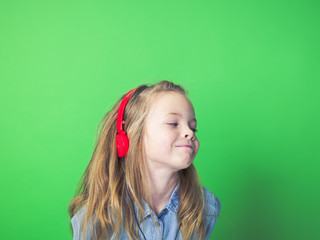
x: 166, y: 226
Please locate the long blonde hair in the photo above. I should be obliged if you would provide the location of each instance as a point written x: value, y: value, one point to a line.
x: 106, y: 183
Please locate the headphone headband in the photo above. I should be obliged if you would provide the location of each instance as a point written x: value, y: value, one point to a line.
x: 121, y: 110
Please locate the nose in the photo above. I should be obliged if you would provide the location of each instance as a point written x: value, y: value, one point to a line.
x: 190, y: 134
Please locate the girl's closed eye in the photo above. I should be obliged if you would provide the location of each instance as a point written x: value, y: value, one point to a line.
x: 175, y: 124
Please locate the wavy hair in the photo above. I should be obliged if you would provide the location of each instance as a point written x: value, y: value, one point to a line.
x: 106, y: 183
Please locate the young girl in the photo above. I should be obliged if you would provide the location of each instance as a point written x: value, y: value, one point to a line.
x: 141, y: 182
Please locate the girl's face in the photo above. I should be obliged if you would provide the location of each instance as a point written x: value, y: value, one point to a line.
x: 170, y: 141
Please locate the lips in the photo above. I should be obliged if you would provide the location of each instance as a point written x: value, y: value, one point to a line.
x: 185, y: 146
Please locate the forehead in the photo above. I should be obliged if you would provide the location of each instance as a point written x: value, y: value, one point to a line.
x: 171, y: 102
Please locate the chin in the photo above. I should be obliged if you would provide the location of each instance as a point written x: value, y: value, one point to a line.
x: 187, y: 164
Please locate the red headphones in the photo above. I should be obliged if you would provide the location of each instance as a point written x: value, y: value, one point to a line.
x: 122, y: 139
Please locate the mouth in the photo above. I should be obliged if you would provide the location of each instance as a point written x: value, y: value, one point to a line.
x: 185, y: 146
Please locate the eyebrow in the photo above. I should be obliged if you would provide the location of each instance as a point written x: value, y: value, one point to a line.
x: 174, y: 113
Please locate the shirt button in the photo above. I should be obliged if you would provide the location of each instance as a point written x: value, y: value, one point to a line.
x: 157, y: 224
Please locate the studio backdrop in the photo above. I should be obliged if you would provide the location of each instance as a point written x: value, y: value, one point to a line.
x: 251, y: 69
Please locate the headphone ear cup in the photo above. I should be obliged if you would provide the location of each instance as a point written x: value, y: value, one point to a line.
x: 122, y: 142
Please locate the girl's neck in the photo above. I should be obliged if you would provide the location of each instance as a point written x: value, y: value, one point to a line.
x: 161, y: 186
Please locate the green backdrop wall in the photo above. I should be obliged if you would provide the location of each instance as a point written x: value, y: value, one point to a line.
x: 252, y: 72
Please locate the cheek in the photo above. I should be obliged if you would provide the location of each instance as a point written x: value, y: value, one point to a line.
x: 197, y: 145
x: 157, y: 140
x: 164, y: 136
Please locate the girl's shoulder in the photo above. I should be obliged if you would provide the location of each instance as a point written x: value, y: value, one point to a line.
x: 212, y: 201
x: 212, y: 212
x: 77, y: 221
x: 77, y: 217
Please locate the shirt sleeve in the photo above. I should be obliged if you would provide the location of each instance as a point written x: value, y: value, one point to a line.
x: 76, y: 222
x: 75, y: 228
x: 214, y: 209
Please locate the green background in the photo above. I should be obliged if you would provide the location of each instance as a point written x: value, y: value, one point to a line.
x: 252, y: 72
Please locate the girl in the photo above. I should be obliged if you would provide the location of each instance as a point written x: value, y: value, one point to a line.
x: 151, y: 190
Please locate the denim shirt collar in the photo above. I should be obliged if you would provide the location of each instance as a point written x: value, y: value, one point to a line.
x: 172, y: 205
